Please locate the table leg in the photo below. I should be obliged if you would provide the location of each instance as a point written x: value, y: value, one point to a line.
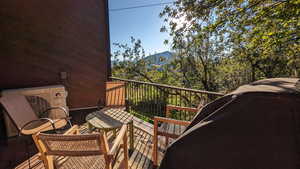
x: 89, y: 127
x: 115, y: 133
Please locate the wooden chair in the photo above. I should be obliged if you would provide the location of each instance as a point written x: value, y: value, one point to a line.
x: 169, y: 128
x: 75, y: 150
x: 26, y: 120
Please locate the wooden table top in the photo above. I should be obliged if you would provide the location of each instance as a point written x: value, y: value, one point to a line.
x: 101, y: 120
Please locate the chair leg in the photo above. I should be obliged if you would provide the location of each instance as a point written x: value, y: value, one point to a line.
x: 27, y: 153
x: 107, y: 165
x: 155, y: 147
x: 115, y: 133
x: 26, y: 148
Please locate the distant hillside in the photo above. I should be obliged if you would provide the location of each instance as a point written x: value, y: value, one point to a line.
x: 160, y: 58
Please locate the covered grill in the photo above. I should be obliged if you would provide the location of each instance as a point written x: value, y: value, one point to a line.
x: 256, y: 126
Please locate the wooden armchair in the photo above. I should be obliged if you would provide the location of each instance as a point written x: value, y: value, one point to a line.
x: 169, y: 128
x: 75, y: 150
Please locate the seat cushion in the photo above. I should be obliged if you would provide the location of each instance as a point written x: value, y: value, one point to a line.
x: 82, y: 162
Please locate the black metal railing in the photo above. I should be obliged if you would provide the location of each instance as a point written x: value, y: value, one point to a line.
x: 147, y: 99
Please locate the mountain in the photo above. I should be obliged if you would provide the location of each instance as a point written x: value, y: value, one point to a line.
x: 160, y: 59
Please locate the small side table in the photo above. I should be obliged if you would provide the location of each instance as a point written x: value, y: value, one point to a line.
x: 106, y: 123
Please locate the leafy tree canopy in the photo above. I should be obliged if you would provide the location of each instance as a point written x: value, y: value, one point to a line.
x: 220, y: 44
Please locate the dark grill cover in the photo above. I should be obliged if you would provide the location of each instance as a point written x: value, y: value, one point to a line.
x: 256, y: 126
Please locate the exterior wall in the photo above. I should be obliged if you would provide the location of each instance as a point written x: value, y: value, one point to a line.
x: 41, y: 39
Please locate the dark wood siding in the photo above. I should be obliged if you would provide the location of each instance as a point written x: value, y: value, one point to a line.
x: 39, y: 39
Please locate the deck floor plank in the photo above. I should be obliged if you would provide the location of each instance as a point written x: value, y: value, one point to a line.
x: 139, y: 151
x: 147, y: 153
x: 133, y: 158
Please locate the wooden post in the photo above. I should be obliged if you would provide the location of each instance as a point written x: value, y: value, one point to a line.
x: 125, y: 151
x: 131, y: 136
x: 168, y: 115
x: 167, y: 142
x: 126, y: 105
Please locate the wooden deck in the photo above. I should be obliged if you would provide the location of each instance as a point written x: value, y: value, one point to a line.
x: 140, y: 158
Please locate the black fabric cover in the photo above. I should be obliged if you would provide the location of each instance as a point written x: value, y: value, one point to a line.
x: 256, y: 126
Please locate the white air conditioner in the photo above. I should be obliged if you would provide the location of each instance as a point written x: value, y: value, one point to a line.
x: 40, y: 99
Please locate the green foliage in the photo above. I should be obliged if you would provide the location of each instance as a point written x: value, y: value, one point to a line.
x: 228, y: 40
x: 220, y: 45
x: 182, y: 115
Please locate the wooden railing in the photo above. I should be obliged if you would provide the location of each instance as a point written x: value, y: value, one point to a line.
x: 147, y: 99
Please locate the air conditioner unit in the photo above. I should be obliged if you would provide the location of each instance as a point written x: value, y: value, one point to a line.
x: 40, y: 99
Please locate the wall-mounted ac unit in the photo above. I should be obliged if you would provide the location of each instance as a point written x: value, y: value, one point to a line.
x: 40, y: 99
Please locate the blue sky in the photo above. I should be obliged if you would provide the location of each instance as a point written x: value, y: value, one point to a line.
x: 141, y: 23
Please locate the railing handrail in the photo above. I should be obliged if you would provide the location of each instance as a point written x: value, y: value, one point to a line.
x: 168, y: 86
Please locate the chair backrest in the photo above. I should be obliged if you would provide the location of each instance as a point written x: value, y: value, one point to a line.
x: 18, y: 109
x: 72, y: 145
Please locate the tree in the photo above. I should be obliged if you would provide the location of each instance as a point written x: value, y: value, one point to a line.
x: 128, y: 60
x: 263, y: 36
x: 130, y: 63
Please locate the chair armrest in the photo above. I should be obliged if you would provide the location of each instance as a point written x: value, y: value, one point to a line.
x: 168, y: 120
x: 73, y: 130
x: 52, y: 108
x: 190, y: 109
x: 117, y: 143
x: 67, y: 118
x: 172, y: 107
x: 40, y: 119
